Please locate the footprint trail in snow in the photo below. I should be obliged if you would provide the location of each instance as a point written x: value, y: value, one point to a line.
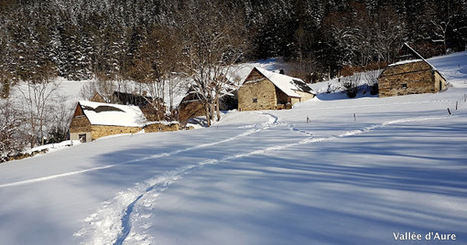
x: 112, y: 222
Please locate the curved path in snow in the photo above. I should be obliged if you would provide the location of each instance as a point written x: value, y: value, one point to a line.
x: 272, y: 120
x: 112, y: 222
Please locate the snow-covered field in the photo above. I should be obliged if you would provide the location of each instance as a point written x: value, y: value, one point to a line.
x: 264, y: 177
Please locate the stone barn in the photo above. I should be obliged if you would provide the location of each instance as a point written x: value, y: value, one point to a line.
x: 191, y: 106
x: 93, y: 120
x: 266, y: 90
x: 412, y: 76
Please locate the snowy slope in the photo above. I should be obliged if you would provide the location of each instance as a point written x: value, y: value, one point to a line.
x: 264, y: 177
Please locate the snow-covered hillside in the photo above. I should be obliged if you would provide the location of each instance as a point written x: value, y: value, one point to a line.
x: 362, y: 171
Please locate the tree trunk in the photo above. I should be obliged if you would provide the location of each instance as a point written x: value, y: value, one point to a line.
x: 218, y: 111
x: 208, y: 117
x: 211, y: 110
x: 33, y: 131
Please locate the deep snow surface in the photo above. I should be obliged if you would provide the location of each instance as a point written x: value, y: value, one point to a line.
x: 265, y: 177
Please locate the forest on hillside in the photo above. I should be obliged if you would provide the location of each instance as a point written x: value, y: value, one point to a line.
x: 147, y: 39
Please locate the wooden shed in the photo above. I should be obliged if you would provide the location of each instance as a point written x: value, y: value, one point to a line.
x: 412, y: 76
x: 93, y: 120
x: 266, y: 90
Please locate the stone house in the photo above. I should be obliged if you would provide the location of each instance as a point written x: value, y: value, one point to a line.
x: 412, y: 76
x: 92, y: 120
x: 266, y: 90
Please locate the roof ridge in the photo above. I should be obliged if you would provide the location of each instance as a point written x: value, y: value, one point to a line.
x: 419, y: 55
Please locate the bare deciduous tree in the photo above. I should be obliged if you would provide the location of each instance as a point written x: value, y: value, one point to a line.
x: 387, y: 33
x: 213, y: 42
x: 11, y: 135
x: 39, y: 99
x: 351, y: 84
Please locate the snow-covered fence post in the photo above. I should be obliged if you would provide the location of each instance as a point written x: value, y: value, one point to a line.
x: 457, y: 102
x: 449, y: 111
x: 354, y: 117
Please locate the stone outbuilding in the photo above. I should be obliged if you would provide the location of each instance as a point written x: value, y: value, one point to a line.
x: 412, y: 76
x: 98, y: 98
x: 191, y: 106
x: 267, y: 90
x: 93, y: 120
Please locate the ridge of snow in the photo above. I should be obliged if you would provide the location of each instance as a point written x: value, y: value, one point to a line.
x: 403, y: 62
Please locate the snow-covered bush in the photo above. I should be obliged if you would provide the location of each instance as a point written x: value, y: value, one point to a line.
x: 351, y: 84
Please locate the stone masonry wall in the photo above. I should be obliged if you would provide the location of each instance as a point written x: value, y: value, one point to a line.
x: 191, y: 109
x: 305, y: 96
x: 80, y: 124
x: 98, y: 131
x: 160, y: 127
x: 282, y: 98
x: 258, y: 95
x: 411, y: 78
x: 440, y: 82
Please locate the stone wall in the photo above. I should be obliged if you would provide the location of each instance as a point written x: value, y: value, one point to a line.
x: 282, y: 98
x: 305, y: 96
x: 440, y: 82
x: 80, y: 125
x: 161, y: 127
x: 410, y: 78
x: 294, y: 101
x: 254, y: 75
x: 98, y: 131
x: 78, y: 136
x: 257, y: 95
x: 190, y: 109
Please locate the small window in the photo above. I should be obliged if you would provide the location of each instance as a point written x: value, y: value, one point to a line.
x: 82, y: 138
x: 255, y: 100
x: 404, y: 85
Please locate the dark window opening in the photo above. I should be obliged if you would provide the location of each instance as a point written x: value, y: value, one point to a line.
x: 255, y: 100
x: 82, y: 138
x: 404, y: 85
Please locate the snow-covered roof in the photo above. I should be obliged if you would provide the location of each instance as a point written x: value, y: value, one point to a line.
x: 421, y: 58
x: 113, y: 114
x: 403, y: 62
x: 287, y: 84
